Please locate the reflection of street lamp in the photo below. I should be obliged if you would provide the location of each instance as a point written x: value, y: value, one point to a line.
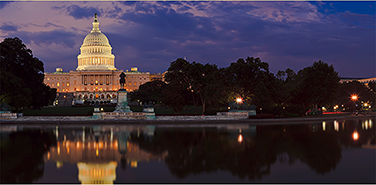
x: 355, y: 135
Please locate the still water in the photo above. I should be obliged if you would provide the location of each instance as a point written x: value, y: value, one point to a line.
x: 340, y: 151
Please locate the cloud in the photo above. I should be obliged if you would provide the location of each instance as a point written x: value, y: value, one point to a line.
x: 3, y: 4
x: 79, y: 12
x: 8, y: 27
x: 46, y: 38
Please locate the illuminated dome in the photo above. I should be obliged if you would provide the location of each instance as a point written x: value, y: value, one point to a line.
x: 96, y: 51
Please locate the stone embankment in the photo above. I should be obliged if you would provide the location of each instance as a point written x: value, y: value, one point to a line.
x: 180, y: 120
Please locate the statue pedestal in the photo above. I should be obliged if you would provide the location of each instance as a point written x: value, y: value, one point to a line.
x: 122, y: 101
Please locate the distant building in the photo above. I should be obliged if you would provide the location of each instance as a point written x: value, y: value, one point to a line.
x: 361, y: 80
x: 96, y: 79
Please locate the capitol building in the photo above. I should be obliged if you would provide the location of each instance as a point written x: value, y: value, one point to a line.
x: 96, y: 79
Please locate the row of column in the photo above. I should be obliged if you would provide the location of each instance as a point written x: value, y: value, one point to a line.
x: 96, y: 80
x: 96, y: 61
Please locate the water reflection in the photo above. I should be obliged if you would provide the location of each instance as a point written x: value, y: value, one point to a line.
x: 97, y: 150
x: 101, y: 153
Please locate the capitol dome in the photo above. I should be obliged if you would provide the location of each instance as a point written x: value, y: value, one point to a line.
x: 96, y: 51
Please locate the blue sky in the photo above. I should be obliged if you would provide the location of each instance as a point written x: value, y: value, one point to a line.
x: 150, y: 35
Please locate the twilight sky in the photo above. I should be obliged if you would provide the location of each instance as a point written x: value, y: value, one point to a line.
x: 150, y: 35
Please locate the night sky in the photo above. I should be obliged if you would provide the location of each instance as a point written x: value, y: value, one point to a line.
x: 150, y: 35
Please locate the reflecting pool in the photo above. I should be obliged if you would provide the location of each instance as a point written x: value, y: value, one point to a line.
x: 341, y: 151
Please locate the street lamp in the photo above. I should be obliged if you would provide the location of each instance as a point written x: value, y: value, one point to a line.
x: 354, y: 97
x: 239, y: 100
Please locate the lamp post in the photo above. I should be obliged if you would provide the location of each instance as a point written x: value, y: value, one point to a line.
x: 354, y: 98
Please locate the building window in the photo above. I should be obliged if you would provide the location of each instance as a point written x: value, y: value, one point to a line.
x: 74, y: 89
x: 75, y: 82
x: 48, y: 84
x: 67, y: 84
x: 63, y: 83
x: 96, y: 82
x: 58, y: 84
x: 57, y: 90
x: 48, y: 78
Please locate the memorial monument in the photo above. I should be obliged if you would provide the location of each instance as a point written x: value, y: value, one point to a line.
x: 122, y: 96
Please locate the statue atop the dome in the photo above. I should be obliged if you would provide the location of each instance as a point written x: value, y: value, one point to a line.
x: 122, y: 80
x: 95, y: 20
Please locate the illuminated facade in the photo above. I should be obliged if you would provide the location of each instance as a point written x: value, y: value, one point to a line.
x: 96, y: 78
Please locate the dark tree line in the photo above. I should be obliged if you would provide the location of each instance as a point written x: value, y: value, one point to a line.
x: 22, y: 77
x: 286, y: 93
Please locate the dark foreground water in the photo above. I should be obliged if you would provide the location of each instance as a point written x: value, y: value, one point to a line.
x: 340, y: 151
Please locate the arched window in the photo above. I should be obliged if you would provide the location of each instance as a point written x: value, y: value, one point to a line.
x: 91, y: 96
x: 113, y: 96
x: 108, y: 96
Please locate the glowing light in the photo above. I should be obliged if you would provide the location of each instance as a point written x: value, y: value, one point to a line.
x: 323, y: 125
x: 240, y: 138
x: 355, y: 135
x: 354, y: 97
x: 134, y: 164
x: 336, y: 125
x: 96, y: 152
x: 239, y: 100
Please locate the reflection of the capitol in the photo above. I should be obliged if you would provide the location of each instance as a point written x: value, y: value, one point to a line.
x: 97, y: 150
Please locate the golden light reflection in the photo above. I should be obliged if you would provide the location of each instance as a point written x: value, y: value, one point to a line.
x: 48, y: 155
x: 240, y: 138
x: 96, y: 152
x: 78, y: 144
x: 134, y: 164
x: 355, y: 135
x: 336, y: 125
x: 58, y: 151
x: 370, y: 123
x: 323, y: 125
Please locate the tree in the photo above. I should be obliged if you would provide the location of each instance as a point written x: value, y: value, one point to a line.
x: 21, y: 76
x: 202, y: 82
x: 150, y: 91
x: 316, y: 85
x: 251, y: 80
x: 174, y: 97
x: 364, y: 94
x: 178, y: 74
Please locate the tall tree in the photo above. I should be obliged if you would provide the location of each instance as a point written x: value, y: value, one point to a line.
x: 21, y: 76
x: 317, y: 85
x: 251, y: 80
x: 150, y: 91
